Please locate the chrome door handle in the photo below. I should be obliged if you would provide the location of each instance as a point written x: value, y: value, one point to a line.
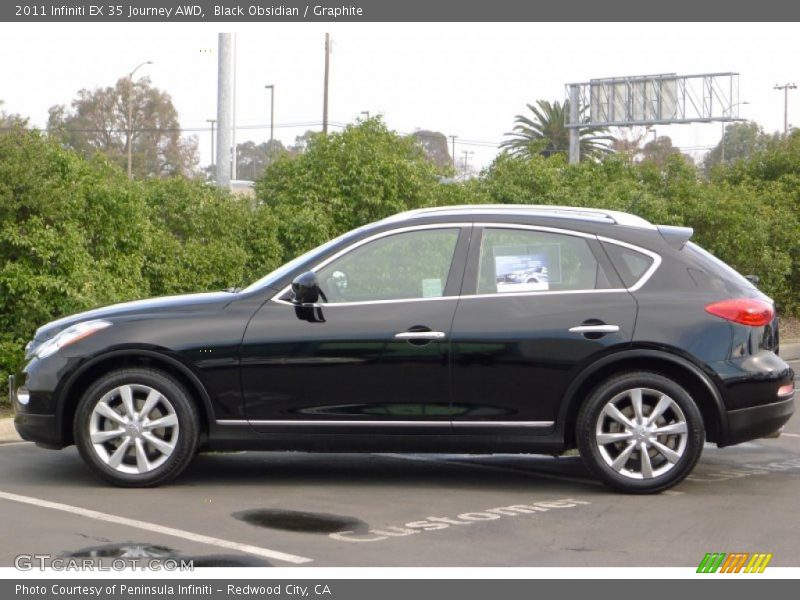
x: 420, y: 335
x: 594, y: 329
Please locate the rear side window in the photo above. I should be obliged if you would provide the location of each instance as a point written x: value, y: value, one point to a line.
x: 518, y: 260
x: 630, y: 264
x: 715, y: 267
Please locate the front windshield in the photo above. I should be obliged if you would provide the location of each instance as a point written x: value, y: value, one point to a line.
x: 270, y: 278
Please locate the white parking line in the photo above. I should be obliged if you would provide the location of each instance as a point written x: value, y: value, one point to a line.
x: 790, y: 434
x: 442, y: 461
x: 179, y: 533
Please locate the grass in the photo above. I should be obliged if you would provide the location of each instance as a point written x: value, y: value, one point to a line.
x: 6, y: 411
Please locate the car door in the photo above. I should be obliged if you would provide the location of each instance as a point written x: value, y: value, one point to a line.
x: 538, y: 305
x: 373, y: 354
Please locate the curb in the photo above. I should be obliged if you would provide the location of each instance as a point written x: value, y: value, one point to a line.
x: 790, y: 350
x: 8, y: 433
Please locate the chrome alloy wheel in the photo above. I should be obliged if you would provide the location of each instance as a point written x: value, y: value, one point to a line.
x: 641, y: 433
x: 134, y: 429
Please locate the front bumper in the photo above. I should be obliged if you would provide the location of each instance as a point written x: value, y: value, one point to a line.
x: 757, y: 421
x: 33, y: 427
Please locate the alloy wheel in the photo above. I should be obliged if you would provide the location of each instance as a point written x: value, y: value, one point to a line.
x: 134, y: 429
x: 641, y: 433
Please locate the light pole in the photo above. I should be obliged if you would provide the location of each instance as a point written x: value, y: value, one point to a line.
x: 785, y: 87
x: 130, y: 116
x: 729, y: 111
x: 271, y: 89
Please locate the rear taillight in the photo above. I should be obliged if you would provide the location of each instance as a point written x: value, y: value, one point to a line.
x: 745, y: 311
x: 786, y: 390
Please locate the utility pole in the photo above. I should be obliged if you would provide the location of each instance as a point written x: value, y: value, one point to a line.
x: 271, y: 89
x: 224, y: 110
x: 785, y: 87
x: 453, y: 141
x: 467, y: 154
x: 325, y: 92
x: 130, y: 117
x: 212, y: 121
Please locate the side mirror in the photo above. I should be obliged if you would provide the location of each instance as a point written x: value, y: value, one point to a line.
x: 305, y: 288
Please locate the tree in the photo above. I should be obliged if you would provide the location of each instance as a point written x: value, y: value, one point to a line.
x: 343, y: 180
x: 739, y: 142
x: 10, y: 121
x: 98, y: 123
x: 659, y: 151
x: 546, y: 134
x: 252, y: 159
x: 434, y: 143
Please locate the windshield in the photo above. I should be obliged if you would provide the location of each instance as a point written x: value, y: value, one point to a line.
x: 271, y: 278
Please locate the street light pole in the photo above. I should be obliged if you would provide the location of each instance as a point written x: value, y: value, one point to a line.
x: 271, y: 89
x: 785, y: 87
x: 130, y: 117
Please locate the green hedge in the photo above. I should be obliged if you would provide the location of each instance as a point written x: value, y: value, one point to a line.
x: 75, y: 234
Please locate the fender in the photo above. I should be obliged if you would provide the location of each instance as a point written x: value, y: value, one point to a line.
x: 570, y: 399
x: 160, y: 356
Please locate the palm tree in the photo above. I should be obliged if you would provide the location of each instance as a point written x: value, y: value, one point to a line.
x: 546, y: 133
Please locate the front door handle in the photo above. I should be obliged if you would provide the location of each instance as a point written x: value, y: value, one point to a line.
x: 420, y: 335
x: 594, y: 329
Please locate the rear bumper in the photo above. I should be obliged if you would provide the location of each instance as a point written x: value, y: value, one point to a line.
x: 757, y: 421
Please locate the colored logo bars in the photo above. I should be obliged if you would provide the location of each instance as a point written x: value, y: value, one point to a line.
x: 744, y: 562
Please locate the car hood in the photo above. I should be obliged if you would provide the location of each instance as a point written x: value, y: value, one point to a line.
x: 184, y: 303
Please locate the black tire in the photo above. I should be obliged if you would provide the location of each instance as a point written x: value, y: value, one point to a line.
x: 171, y: 401
x: 680, y: 451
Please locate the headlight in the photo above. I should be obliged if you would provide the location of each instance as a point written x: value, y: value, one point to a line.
x: 69, y: 336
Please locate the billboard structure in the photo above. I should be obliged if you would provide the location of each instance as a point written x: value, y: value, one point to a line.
x: 663, y: 99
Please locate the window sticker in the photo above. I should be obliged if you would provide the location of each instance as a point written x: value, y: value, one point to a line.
x: 526, y: 268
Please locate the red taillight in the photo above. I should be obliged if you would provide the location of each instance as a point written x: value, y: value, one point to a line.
x: 746, y: 311
x: 786, y: 390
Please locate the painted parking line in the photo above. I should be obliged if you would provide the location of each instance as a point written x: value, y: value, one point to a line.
x: 797, y: 435
x: 155, y: 528
x: 442, y: 461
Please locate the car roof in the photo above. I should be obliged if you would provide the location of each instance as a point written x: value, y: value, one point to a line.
x: 572, y: 213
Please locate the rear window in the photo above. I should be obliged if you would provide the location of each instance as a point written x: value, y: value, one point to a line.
x: 630, y: 264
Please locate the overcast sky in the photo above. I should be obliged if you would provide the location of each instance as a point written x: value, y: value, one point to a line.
x: 461, y: 79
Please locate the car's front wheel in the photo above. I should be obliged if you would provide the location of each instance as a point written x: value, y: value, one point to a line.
x: 136, y: 427
x: 640, y: 432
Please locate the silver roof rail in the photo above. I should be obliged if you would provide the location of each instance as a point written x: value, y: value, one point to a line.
x: 543, y: 210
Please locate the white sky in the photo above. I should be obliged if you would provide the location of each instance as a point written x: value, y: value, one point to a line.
x: 468, y: 80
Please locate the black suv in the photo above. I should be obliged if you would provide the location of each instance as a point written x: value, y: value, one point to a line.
x: 416, y: 334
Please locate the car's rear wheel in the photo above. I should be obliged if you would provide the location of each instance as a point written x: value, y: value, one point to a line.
x: 640, y: 432
x: 136, y: 427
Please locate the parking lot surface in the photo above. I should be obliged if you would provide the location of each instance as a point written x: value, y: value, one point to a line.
x: 283, y: 509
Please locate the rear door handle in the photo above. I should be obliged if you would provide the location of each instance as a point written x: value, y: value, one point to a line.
x: 594, y: 329
x: 420, y: 335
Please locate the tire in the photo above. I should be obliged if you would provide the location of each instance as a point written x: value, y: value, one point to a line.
x: 610, y: 442
x: 151, y: 455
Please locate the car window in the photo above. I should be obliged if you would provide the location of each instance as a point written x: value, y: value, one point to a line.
x: 407, y: 265
x: 630, y: 264
x: 518, y: 260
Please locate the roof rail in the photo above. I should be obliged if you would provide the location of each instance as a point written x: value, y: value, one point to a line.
x: 545, y: 210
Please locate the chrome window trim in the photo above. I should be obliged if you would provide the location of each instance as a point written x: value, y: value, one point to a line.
x: 381, y: 423
x: 492, y: 225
